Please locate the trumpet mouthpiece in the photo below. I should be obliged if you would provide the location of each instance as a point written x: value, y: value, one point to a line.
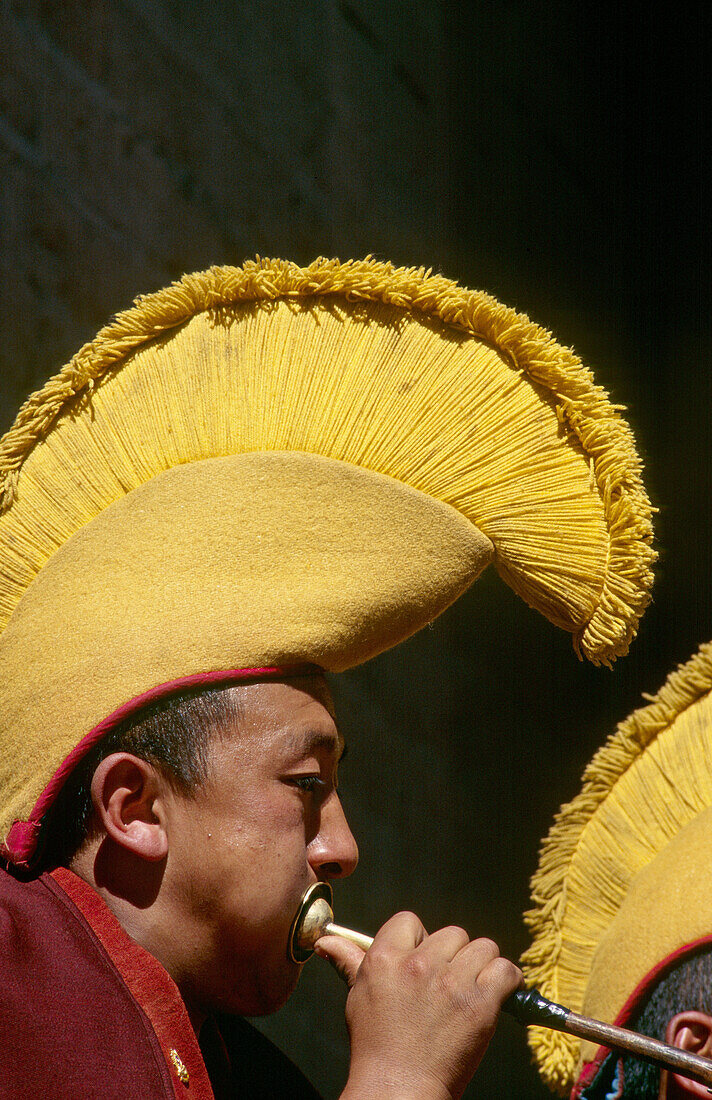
x: 311, y: 922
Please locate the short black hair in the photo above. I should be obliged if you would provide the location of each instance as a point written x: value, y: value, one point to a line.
x: 687, y: 987
x: 173, y: 734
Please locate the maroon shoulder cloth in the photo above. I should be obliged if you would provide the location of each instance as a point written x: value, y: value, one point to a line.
x: 85, y: 1012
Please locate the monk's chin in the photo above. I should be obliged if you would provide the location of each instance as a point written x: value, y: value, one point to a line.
x: 264, y: 998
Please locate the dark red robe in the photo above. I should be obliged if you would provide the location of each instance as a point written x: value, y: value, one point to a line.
x: 85, y: 1013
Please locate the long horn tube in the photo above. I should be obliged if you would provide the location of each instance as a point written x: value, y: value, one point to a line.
x: 315, y: 918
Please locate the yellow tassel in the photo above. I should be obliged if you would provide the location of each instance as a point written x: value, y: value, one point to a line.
x: 417, y: 433
x: 661, y: 761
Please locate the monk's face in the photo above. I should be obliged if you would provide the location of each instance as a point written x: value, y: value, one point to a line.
x: 265, y: 825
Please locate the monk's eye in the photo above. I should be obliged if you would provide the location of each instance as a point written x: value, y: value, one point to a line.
x: 312, y: 784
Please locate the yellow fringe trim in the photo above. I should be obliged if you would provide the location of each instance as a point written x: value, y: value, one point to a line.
x: 556, y: 1053
x: 583, y: 408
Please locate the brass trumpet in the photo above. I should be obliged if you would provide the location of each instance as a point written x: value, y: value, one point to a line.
x: 315, y: 918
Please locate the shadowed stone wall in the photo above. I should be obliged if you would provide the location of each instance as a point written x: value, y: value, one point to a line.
x: 141, y: 139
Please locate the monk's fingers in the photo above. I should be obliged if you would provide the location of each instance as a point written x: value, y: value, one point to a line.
x: 442, y: 946
x: 480, y: 978
x: 344, y: 956
x: 499, y: 978
x: 475, y: 955
x: 402, y: 933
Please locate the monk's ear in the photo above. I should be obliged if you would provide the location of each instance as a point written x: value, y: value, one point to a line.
x: 690, y: 1031
x: 127, y: 793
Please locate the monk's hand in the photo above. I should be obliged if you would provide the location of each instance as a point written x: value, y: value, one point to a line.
x: 421, y: 1009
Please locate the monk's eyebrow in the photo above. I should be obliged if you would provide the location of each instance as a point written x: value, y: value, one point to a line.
x: 312, y: 740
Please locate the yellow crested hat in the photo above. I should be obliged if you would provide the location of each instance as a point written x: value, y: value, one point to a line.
x: 624, y: 886
x: 267, y: 466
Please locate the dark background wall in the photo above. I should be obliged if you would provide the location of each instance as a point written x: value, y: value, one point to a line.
x: 550, y: 153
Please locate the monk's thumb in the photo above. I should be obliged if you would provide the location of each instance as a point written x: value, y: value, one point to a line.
x: 345, y: 957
